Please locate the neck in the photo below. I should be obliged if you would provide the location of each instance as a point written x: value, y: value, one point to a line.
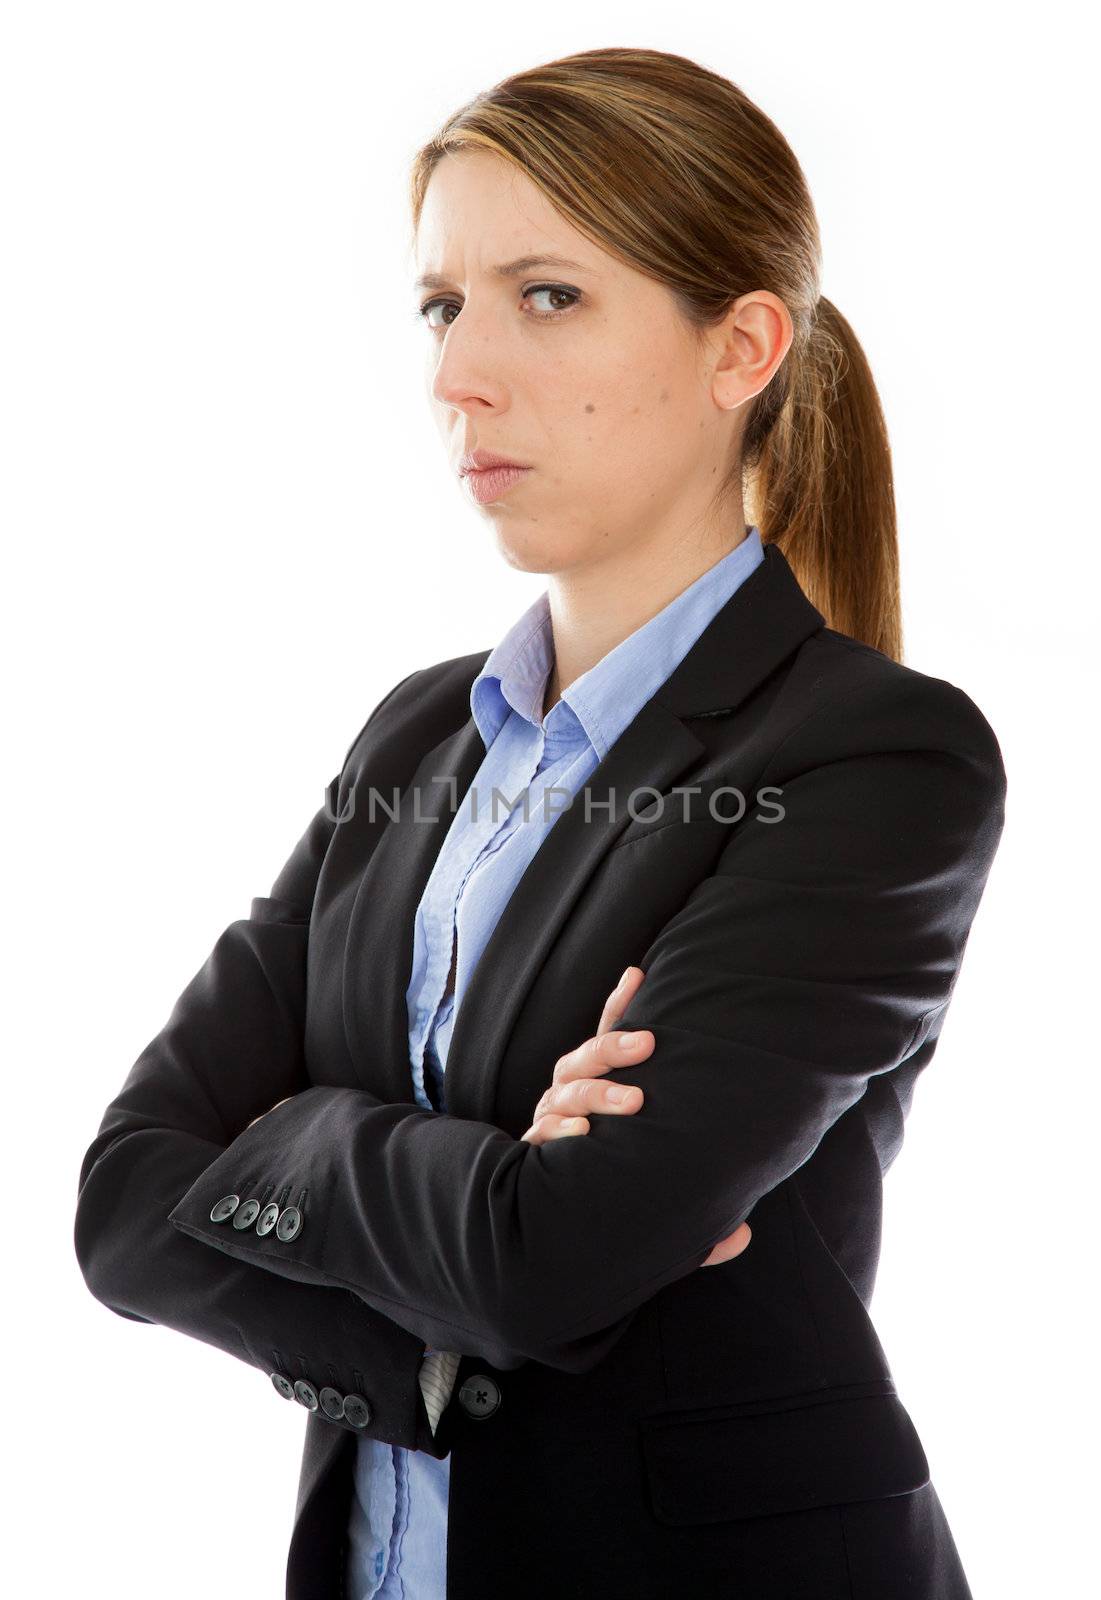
x: 595, y: 608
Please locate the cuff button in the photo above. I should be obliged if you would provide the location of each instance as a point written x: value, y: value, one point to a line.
x: 306, y: 1394
x: 265, y: 1222
x: 289, y: 1225
x: 246, y: 1215
x: 226, y: 1206
x: 283, y: 1385
x: 332, y: 1403
x: 356, y: 1410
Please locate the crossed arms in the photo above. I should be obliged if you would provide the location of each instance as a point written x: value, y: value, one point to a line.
x: 820, y: 951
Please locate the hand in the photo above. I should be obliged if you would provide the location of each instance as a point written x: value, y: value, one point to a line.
x: 577, y: 1089
x: 577, y: 1086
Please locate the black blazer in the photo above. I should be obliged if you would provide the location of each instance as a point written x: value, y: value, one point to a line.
x: 622, y: 1424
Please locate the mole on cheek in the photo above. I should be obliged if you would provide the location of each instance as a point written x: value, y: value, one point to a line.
x: 590, y: 406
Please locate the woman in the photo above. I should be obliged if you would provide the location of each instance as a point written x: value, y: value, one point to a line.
x: 696, y: 763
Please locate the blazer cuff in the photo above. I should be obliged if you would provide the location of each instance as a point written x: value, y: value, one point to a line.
x: 254, y: 1203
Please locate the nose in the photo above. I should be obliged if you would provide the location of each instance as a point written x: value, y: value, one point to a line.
x: 469, y: 371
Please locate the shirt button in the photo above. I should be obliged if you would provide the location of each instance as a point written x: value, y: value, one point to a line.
x: 479, y: 1396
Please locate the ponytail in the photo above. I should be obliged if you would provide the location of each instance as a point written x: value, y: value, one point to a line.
x: 818, y: 471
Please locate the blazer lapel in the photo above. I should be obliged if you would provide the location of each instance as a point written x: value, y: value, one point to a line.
x: 378, y: 955
x: 652, y: 752
x: 765, y: 619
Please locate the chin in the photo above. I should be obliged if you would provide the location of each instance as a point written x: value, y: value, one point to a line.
x: 546, y: 545
x: 533, y: 553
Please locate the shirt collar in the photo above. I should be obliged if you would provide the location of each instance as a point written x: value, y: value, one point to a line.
x: 610, y: 695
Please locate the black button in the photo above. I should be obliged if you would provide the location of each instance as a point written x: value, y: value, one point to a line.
x: 306, y: 1394
x: 246, y: 1215
x: 356, y: 1410
x: 265, y: 1222
x: 283, y: 1385
x: 289, y: 1225
x: 226, y: 1206
x: 479, y: 1396
x: 332, y: 1403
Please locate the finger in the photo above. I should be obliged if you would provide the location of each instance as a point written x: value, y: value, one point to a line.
x: 546, y: 1128
x: 619, y: 999
x: 582, y: 1096
x: 285, y: 1098
x: 728, y: 1248
x: 603, y: 1053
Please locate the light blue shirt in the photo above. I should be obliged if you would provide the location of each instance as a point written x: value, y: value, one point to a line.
x: 397, y: 1529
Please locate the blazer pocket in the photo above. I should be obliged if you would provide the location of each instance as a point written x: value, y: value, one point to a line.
x: 671, y: 814
x: 807, y: 1451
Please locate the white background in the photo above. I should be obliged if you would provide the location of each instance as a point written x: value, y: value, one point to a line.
x: 231, y: 528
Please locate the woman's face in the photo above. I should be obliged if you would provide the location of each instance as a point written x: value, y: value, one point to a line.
x: 585, y: 373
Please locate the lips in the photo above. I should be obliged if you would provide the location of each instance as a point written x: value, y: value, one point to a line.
x: 486, y: 461
x: 490, y: 483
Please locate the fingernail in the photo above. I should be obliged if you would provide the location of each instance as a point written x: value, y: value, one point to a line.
x: 567, y: 1124
x: 624, y: 978
x: 627, y: 1041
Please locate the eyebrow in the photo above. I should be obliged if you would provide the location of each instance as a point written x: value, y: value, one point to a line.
x: 506, y: 269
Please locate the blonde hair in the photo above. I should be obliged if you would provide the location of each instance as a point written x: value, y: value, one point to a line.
x: 672, y: 169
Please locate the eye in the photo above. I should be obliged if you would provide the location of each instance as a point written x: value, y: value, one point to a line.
x: 574, y: 295
x: 425, y: 312
x: 555, y: 290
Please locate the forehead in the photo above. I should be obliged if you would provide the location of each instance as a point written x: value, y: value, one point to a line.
x: 483, y: 217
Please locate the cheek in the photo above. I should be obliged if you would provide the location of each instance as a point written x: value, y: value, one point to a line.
x: 623, y: 418
x: 642, y: 399
x: 650, y: 435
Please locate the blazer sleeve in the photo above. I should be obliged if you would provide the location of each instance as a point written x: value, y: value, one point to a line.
x: 821, y: 950
x: 232, y: 1046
